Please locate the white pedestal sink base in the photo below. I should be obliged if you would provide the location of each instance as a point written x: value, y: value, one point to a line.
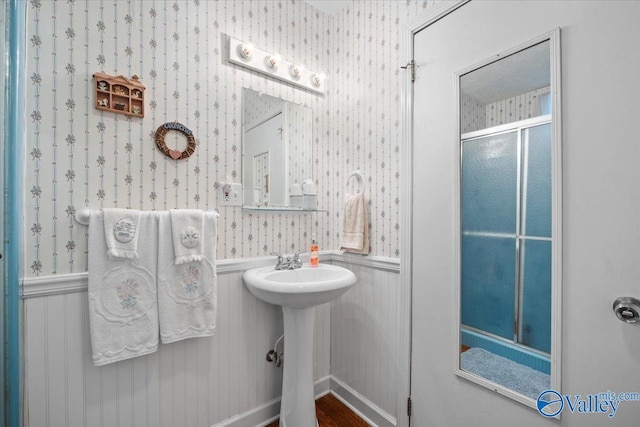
x: 298, y: 407
x: 298, y: 292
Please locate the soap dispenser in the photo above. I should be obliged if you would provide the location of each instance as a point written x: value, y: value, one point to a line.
x: 314, y: 258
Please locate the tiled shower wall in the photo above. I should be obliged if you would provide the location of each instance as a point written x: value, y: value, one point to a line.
x: 80, y: 156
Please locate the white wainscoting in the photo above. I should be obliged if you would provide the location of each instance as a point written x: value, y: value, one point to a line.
x: 222, y: 380
x: 364, y: 340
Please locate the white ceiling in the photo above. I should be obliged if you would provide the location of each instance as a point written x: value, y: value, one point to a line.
x: 330, y: 7
x: 519, y: 73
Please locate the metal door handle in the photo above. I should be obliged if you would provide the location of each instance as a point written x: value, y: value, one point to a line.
x: 627, y: 309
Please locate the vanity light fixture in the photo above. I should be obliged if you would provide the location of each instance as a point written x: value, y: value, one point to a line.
x: 271, y: 64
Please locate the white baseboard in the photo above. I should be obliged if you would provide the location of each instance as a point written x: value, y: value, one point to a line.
x: 363, y: 407
x: 256, y: 417
x: 269, y: 412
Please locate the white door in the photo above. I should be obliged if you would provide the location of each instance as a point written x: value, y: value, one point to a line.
x: 600, y: 71
x: 271, y: 180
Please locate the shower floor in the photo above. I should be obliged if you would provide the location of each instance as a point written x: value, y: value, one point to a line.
x: 505, y: 372
x: 333, y: 413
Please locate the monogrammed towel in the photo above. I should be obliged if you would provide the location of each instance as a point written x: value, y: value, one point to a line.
x: 123, y: 315
x: 121, y: 232
x: 187, y: 228
x: 186, y: 291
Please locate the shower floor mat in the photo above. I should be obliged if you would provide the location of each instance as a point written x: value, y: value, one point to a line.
x: 505, y: 372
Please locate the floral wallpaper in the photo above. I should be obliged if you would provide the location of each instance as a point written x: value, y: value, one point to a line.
x: 80, y: 156
x: 475, y: 115
x: 520, y: 107
x: 365, y: 132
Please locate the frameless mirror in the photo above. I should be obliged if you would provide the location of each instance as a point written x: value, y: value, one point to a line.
x: 509, y: 221
x: 276, y: 151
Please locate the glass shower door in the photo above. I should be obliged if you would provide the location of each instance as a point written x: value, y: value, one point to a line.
x: 534, y: 304
x: 506, y: 241
x: 488, y: 216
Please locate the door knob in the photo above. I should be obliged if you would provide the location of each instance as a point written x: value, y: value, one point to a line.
x: 627, y: 309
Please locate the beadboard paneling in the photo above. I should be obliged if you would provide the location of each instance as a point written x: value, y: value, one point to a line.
x: 364, y: 325
x: 202, y: 382
x: 196, y: 382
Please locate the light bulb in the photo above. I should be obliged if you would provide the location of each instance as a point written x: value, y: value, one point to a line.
x: 296, y: 71
x: 273, y: 61
x: 246, y: 50
x: 317, y: 79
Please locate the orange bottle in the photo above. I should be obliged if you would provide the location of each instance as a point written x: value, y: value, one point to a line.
x: 314, y: 258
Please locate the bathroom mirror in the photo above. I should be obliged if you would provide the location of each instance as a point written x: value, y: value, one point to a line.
x: 508, y: 243
x: 276, y: 151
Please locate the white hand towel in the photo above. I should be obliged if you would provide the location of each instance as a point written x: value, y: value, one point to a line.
x: 355, y: 225
x: 187, y: 295
x: 187, y: 229
x: 120, y: 230
x: 123, y: 314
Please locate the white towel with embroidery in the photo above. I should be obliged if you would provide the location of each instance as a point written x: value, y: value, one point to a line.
x: 187, y: 296
x: 187, y: 228
x: 123, y: 308
x: 120, y: 226
x: 355, y: 225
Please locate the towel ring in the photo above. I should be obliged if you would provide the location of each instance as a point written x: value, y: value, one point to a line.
x: 359, y: 178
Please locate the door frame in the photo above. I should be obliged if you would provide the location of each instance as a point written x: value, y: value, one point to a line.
x: 12, y: 212
x: 405, y: 301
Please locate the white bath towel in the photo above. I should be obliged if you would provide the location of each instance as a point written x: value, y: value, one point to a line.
x: 123, y: 315
x: 187, y: 229
x: 355, y: 225
x: 120, y: 230
x: 187, y: 292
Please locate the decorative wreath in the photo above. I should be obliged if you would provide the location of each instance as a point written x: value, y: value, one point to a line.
x: 174, y: 154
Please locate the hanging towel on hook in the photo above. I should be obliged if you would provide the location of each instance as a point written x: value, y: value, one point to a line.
x: 355, y: 225
x: 187, y: 295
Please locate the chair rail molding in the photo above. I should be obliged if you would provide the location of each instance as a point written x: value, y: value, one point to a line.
x: 34, y: 287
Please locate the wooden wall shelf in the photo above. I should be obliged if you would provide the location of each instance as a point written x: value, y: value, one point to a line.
x: 119, y: 94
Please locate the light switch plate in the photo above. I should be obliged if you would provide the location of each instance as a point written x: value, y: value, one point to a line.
x: 230, y: 194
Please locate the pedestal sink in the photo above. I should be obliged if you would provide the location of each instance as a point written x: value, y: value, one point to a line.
x: 298, y: 292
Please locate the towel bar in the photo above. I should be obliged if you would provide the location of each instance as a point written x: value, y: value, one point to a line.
x: 83, y: 214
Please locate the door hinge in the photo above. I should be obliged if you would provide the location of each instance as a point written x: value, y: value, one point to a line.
x: 412, y: 67
x: 409, y: 407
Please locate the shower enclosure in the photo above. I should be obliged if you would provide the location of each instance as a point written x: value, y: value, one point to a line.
x: 506, y: 241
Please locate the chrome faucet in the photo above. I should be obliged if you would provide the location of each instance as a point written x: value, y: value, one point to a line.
x: 291, y: 263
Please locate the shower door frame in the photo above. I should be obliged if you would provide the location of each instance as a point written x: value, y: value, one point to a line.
x: 519, y: 127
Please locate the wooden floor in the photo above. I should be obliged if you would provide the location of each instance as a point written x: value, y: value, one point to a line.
x: 333, y: 413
